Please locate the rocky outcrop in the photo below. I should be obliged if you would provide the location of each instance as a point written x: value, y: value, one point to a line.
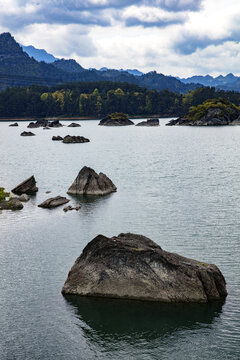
x: 149, y: 122
x: 14, y: 124
x: 116, y: 119
x: 27, y: 133
x: 26, y: 187
x: 216, y: 112
x: 54, y: 202
x: 134, y: 267
x: 88, y: 182
x: 57, y: 138
x: 75, y: 139
x: 11, y: 204
x: 74, y: 125
x: 45, y: 124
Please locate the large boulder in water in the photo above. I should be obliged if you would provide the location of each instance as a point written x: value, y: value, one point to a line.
x: 26, y: 187
x: 116, y: 119
x: 88, y: 182
x: 134, y: 267
x: 54, y: 202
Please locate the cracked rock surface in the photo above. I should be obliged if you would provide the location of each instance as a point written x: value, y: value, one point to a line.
x: 134, y: 267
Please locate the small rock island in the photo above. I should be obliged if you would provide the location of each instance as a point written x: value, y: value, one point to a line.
x: 116, y: 119
x: 88, y: 182
x: 132, y: 266
x: 216, y: 112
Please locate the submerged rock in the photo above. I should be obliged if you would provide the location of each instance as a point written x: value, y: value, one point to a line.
x: 75, y: 139
x: 12, y: 204
x: 27, y: 133
x: 116, y: 119
x: 57, y: 138
x: 24, y: 198
x: 88, y: 182
x: 134, y: 267
x: 14, y: 124
x: 74, y: 125
x: 69, y: 208
x: 54, y: 202
x: 26, y: 187
x: 149, y: 122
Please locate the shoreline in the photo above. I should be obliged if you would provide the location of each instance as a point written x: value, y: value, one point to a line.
x: 80, y: 118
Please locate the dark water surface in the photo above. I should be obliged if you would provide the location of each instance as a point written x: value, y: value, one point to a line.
x: 180, y: 186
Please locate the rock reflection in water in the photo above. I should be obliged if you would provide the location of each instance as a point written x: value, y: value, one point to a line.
x: 114, y: 319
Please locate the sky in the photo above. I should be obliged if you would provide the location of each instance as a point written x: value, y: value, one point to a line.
x: 174, y: 37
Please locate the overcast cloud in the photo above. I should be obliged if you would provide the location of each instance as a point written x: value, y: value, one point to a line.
x: 177, y: 37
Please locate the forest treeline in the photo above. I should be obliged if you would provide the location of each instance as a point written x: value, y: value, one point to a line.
x: 100, y: 98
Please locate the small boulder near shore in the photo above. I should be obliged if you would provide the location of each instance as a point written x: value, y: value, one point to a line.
x: 132, y: 266
x: 14, y: 124
x: 149, y: 122
x: 54, y: 202
x: 11, y: 204
x: 116, y: 119
x: 75, y: 139
x: 26, y: 187
x: 88, y: 182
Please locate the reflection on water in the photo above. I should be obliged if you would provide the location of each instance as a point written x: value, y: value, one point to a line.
x: 122, y: 319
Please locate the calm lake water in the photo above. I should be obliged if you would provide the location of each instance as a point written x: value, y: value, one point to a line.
x: 180, y: 186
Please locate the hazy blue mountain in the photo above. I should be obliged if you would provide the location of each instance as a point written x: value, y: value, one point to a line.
x: 38, y: 54
x: 208, y: 80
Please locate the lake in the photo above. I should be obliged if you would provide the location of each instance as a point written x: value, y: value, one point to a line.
x: 179, y: 186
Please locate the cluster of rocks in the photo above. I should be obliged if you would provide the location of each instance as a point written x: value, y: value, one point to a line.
x: 149, y: 122
x: 15, y: 203
x: 45, y: 124
x: 214, y: 116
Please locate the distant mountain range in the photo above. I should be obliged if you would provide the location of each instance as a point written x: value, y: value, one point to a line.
x: 228, y: 82
x: 26, y: 65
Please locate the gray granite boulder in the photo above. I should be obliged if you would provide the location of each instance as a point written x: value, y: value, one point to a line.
x: 54, y: 202
x: 88, y: 182
x: 28, y: 186
x: 132, y: 266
